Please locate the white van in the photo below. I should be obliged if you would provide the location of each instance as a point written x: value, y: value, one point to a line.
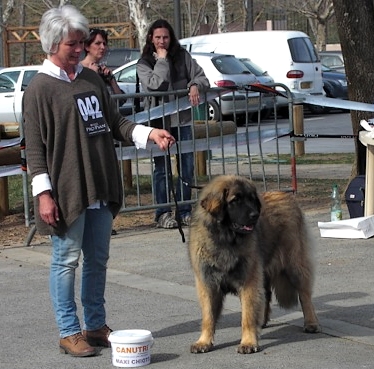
x: 289, y: 57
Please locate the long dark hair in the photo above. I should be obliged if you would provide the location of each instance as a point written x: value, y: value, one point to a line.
x: 174, y: 47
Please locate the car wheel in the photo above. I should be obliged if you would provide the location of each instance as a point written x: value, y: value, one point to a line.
x: 214, y: 112
x: 264, y: 114
x: 316, y: 109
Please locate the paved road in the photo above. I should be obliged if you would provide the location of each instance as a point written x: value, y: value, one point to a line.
x: 328, y: 124
x: 150, y: 286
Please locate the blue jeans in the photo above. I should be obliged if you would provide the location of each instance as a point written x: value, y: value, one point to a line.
x: 89, y: 234
x: 183, y: 192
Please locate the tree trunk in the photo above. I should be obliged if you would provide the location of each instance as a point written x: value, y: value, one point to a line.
x: 321, y: 36
x: 138, y: 14
x: 221, y: 21
x: 355, y: 23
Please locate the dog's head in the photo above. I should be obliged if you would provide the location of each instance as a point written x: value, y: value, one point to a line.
x: 233, y: 202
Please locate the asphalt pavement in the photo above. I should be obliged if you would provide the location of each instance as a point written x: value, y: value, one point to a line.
x: 150, y: 286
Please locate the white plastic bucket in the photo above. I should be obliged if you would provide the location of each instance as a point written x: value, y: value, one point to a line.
x: 131, y: 348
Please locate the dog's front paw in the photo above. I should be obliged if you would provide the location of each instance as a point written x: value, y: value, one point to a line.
x: 248, y: 349
x: 199, y: 348
x: 312, y: 328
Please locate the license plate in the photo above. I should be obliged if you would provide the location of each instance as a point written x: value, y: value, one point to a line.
x: 305, y: 85
x: 253, y: 100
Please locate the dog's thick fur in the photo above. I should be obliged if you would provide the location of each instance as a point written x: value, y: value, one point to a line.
x: 249, y: 245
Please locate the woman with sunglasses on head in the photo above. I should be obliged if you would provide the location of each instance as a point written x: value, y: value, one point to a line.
x: 95, y: 49
x: 70, y: 123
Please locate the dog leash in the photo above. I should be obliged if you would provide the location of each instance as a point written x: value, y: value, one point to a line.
x: 171, y: 185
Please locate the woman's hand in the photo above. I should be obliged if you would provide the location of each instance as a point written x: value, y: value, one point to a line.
x: 162, y: 138
x: 194, y: 95
x: 105, y: 72
x: 48, y: 209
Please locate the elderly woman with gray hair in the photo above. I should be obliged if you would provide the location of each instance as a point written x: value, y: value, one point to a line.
x: 70, y: 124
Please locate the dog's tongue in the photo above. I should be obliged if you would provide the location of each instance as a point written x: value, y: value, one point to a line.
x: 248, y: 228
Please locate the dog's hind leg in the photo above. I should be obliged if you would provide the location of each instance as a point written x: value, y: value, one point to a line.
x: 211, y: 303
x: 268, y: 294
x: 300, y: 283
x: 311, y: 324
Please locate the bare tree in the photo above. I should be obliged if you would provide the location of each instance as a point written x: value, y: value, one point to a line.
x: 221, y: 19
x: 138, y: 14
x: 7, y: 12
x: 318, y: 13
x: 356, y: 25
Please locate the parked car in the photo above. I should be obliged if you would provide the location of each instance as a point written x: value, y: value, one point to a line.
x: 119, y: 56
x: 333, y: 60
x: 125, y: 76
x: 222, y: 71
x: 335, y: 84
x: 13, y: 82
x: 289, y: 57
x: 263, y: 78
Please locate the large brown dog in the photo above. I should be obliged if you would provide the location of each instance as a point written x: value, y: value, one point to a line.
x: 248, y: 245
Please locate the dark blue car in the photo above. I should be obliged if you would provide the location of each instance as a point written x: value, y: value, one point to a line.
x: 334, y: 83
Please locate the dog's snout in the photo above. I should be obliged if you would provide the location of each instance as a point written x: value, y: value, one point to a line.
x: 254, y: 215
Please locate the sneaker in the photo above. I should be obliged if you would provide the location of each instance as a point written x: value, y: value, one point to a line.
x: 186, y: 219
x: 167, y: 221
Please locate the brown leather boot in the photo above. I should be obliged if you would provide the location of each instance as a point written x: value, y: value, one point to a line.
x: 76, y: 345
x: 98, y: 337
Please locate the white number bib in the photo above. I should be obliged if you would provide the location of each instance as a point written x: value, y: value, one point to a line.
x: 90, y: 111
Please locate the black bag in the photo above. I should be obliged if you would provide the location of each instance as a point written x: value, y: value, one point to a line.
x: 137, y: 99
x: 355, y: 197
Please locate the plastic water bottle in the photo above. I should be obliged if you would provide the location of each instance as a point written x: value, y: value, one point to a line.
x: 336, y: 207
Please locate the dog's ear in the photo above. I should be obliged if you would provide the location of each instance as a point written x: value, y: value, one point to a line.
x: 214, y: 202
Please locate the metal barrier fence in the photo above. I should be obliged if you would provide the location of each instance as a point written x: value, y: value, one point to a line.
x: 219, y: 146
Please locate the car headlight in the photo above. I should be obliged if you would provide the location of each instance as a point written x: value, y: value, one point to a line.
x: 343, y: 82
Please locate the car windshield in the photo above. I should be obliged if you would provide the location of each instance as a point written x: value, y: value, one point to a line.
x: 227, y: 64
x: 332, y: 61
x: 127, y: 75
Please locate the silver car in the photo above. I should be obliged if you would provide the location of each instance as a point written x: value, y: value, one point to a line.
x: 224, y: 71
x: 227, y: 71
x: 263, y: 77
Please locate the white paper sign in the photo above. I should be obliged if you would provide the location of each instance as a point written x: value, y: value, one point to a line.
x: 362, y: 227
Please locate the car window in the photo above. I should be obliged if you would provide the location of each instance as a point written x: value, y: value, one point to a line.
x: 13, y: 75
x: 229, y: 65
x: 302, y: 50
x: 6, y: 84
x: 332, y: 61
x: 254, y: 68
x: 118, y: 57
x: 27, y: 77
x: 127, y: 75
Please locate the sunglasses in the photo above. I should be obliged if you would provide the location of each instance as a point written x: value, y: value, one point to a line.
x: 98, y: 31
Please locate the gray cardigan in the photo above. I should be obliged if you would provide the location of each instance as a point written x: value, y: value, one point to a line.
x: 158, y: 78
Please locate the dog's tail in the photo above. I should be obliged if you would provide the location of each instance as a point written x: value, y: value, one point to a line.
x: 285, y: 293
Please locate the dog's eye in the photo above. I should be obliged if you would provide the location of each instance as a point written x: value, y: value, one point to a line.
x: 237, y: 198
